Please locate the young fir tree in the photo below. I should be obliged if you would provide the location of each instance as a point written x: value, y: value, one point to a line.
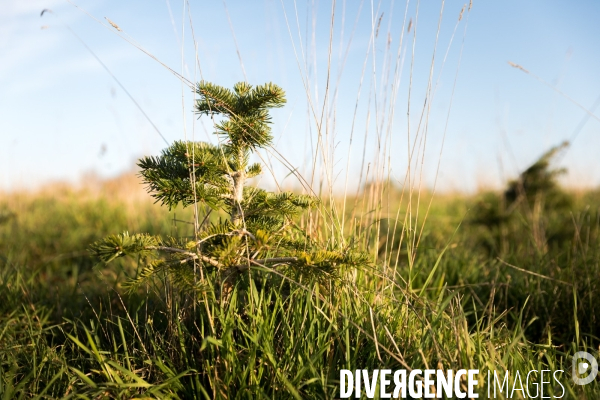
x: 534, y: 201
x: 260, y: 232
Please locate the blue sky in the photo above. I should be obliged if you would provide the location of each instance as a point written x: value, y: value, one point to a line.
x: 63, y: 116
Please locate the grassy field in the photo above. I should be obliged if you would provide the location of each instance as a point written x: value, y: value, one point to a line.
x: 480, y: 285
x: 504, y: 282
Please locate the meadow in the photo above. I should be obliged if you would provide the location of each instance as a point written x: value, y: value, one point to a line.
x: 483, y: 283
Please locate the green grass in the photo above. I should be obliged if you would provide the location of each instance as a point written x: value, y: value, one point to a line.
x: 69, y: 330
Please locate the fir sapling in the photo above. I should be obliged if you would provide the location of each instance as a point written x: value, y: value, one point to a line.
x: 261, y: 231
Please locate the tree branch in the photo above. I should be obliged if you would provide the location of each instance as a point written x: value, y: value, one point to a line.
x: 215, y: 263
x: 194, y: 256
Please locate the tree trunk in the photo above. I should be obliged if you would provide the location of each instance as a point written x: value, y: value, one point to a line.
x: 239, y: 179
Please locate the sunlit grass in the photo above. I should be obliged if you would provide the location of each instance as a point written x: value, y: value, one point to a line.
x: 68, y: 329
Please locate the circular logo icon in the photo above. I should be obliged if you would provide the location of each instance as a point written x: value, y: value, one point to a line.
x: 584, y: 364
